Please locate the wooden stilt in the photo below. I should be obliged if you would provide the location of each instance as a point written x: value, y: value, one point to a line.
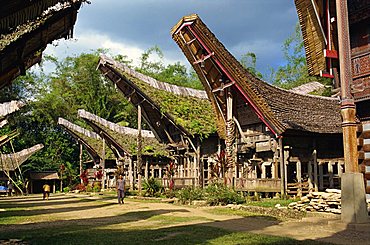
x: 321, y: 177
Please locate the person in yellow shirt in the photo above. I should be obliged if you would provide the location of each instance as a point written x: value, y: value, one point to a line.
x: 46, y: 189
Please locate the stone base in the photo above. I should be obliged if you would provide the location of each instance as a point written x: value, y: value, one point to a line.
x: 354, y: 208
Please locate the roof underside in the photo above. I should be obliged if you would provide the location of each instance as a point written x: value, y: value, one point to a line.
x: 279, y: 109
x: 313, y: 39
x: 21, y: 46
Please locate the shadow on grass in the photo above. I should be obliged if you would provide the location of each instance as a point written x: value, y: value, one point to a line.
x: 28, y: 203
x: 91, y: 231
x: 23, y: 213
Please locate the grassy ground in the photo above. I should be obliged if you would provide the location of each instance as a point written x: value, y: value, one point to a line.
x: 70, y: 220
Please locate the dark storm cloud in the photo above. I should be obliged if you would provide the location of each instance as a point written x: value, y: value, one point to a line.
x: 258, y: 26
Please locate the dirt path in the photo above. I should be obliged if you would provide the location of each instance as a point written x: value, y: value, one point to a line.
x: 69, y: 209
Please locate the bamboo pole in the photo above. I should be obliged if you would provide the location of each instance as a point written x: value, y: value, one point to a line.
x: 139, y: 147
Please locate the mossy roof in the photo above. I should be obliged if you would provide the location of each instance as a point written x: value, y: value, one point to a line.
x: 188, y: 107
x: 127, y: 141
x: 86, y: 137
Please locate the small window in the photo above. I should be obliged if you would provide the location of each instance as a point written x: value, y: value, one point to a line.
x: 368, y: 183
x: 367, y: 169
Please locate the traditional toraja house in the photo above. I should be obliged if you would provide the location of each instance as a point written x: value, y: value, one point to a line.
x: 123, y: 142
x: 270, y: 134
x: 179, y: 117
x: 26, y: 27
x: 95, y: 148
x: 10, y: 163
x: 319, y: 25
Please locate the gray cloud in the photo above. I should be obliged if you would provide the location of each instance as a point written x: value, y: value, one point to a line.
x: 258, y: 26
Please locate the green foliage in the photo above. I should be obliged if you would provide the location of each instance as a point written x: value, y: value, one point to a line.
x: 220, y: 194
x: 189, y: 194
x: 96, y: 186
x: 152, y: 187
x: 66, y: 189
x: 74, y: 84
x: 249, y: 61
x: 295, y: 72
x: 172, y: 73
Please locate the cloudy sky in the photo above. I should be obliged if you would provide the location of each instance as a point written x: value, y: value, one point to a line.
x: 131, y: 26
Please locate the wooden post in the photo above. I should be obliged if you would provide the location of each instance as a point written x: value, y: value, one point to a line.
x: 321, y: 177
x: 139, y: 146
x: 282, y: 168
x: 200, y: 165
x: 315, y: 177
x: 146, y: 174
x: 131, y: 175
x: 310, y: 179
x: 331, y: 175
x: 299, y: 177
x: 81, y: 162
x: 103, y: 165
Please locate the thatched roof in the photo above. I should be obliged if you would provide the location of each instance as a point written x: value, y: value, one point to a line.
x: 29, y: 28
x: 122, y: 138
x: 175, y: 109
x: 10, y: 107
x: 92, y: 142
x: 45, y: 175
x: 279, y: 109
x: 10, y: 162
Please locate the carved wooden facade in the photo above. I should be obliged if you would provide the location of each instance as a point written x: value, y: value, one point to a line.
x: 283, y: 140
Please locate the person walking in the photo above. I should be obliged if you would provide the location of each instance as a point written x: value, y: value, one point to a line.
x: 46, y: 189
x: 120, y: 186
x: 10, y: 188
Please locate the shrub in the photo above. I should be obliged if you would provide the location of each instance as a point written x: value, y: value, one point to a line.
x: 220, y: 194
x: 152, y: 187
x: 80, y: 187
x: 66, y: 189
x: 96, y: 187
x: 89, y: 188
x: 189, y: 194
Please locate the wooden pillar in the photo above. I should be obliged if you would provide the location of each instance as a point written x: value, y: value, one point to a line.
x: 54, y: 186
x: 146, y: 170
x: 139, y: 147
x: 321, y: 176
x: 310, y: 177
x: 160, y: 172
x: 299, y: 177
x: 103, y: 165
x: 200, y: 165
x: 331, y: 175
x: 315, y: 167
x: 81, y: 162
x: 131, y: 174
x: 282, y: 168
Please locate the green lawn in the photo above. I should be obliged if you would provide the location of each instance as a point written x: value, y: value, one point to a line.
x: 104, y: 222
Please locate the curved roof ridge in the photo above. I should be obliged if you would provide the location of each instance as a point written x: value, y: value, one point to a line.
x: 114, y: 126
x: 172, y: 88
x: 279, y: 109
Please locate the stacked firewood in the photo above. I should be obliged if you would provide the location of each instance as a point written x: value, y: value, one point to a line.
x: 328, y: 201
